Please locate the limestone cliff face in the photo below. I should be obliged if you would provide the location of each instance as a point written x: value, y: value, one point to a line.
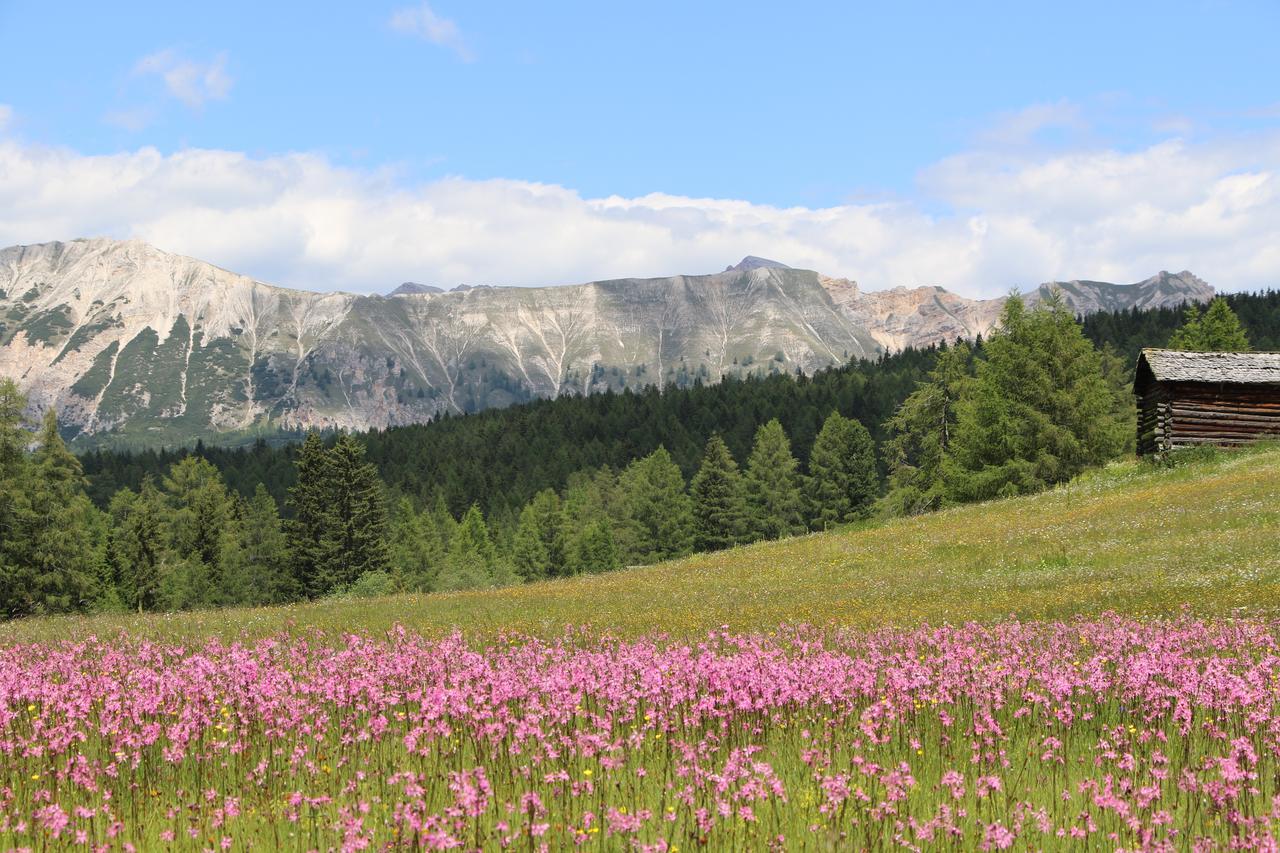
x: 136, y: 344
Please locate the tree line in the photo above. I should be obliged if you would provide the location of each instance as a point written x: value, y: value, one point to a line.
x: 1029, y: 407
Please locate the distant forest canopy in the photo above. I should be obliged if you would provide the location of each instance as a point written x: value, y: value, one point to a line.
x: 500, y: 458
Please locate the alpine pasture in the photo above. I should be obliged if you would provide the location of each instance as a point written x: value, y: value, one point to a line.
x: 1095, y: 665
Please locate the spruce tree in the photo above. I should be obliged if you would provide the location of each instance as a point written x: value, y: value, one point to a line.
x: 443, y: 521
x: 138, y: 546
x: 774, y: 503
x: 357, y: 540
x: 719, y: 501
x: 1040, y: 410
x: 308, y: 531
x: 842, y: 473
x: 658, y: 515
x: 1217, y: 330
x: 549, y: 513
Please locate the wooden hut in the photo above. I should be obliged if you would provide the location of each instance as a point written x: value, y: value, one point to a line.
x: 1192, y: 398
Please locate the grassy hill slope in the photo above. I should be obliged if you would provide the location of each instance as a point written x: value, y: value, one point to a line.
x: 1131, y: 538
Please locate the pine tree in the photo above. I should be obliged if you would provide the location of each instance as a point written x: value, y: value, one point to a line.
x: 842, y: 473
x: 922, y: 431
x: 719, y: 501
x: 416, y: 550
x: 1217, y: 330
x: 256, y: 567
x: 594, y: 550
x: 774, y: 503
x: 658, y: 515
x: 1040, y: 410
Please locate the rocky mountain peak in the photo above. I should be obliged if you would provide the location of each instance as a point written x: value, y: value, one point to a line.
x: 751, y: 262
x: 412, y: 288
x: 135, y: 344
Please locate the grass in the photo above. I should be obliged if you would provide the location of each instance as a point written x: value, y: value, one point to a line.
x: 1131, y: 538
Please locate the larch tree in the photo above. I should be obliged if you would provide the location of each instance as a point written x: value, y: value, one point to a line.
x: 472, y: 557
x: 256, y: 561
x: 658, y: 513
x: 416, y: 549
x: 1040, y: 410
x: 921, y: 433
x: 1218, y: 329
x: 774, y: 502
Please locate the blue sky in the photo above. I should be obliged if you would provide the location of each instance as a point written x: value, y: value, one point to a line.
x: 427, y: 112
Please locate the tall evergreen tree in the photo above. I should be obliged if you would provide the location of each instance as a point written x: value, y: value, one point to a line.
x: 775, y: 506
x: 472, y: 557
x: 529, y: 552
x: 138, y: 546
x: 922, y: 431
x: 416, y: 549
x: 13, y: 498
x: 842, y: 473
x: 357, y: 541
x: 58, y: 564
x: 256, y: 568
x: 200, y: 520
x: 443, y: 521
x: 658, y: 520
x: 719, y: 499
x: 549, y: 515
x: 1040, y: 410
x: 1217, y: 330
x: 308, y: 531
x: 594, y: 549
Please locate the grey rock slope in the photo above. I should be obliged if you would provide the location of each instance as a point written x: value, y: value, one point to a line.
x: 139, y: 345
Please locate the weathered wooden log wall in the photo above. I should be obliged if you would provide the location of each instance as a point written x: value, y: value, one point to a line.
x: 1184, y: 414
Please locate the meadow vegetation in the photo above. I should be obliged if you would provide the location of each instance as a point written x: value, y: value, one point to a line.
x: 1135, y: 537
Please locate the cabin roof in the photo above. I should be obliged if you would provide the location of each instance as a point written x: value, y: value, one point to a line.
x: 1242, y: 368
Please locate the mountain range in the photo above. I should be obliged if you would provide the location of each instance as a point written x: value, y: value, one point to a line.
x: 136, y: 345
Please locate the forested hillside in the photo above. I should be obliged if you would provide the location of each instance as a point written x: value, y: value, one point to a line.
x: 500, y: 458
x: 582, y: 484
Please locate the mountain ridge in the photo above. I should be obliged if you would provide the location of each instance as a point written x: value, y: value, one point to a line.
x: 135, y: 343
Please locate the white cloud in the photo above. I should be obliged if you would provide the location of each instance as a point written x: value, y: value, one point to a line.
x: 300, y: 220
x: 423, y: 22
x: 189, y: 81
x: 1022, y: 126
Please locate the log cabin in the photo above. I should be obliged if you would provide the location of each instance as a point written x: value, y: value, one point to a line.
x: 1187, y: 399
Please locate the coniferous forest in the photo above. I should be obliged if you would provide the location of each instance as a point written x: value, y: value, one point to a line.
x: 583, y: 484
